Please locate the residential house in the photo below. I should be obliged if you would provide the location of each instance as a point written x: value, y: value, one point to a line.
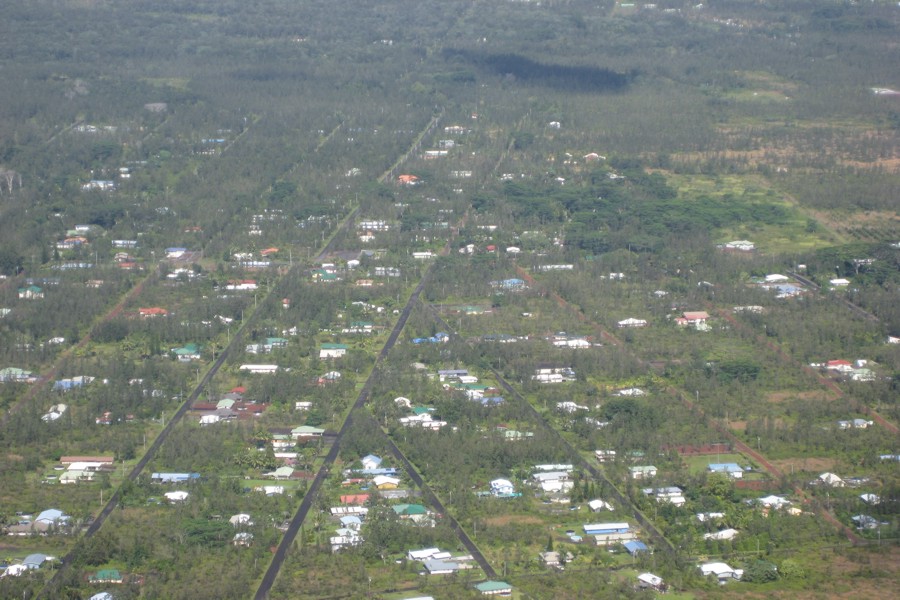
x: 855, y: 424
x: 174, y: 477
x: 416, y: 513
x: 831, y: 480
x: 710, y: 516
x: 864, y: 522
x: 635, y: 547
x: 54, y: 413
x: 32, y: 292
x: 666, y: 495
x: 152, y: 312
x: 306, y: 431
x: 329, y: 351
x: 242, y: 285
x: 739, y: 246
x: 241, y: 519
x: 733, y: 470
x: 423, y: 420
x: 494, y: 588
x: 632, y: 322
x: 651, y: 581
x: 597, y: 505
x: 502, y: 488
x: 553, y: 481
x: 353, y: 522
x: 550, y: 558
x: 839, y: 366
x: 631, y: 392
x: 177, y: 496
x: 187, y: 353
x: 642, y: 472
x: 697, y: 319
x: 513, y: 284
x: 16, y: 375
x: 386, y: 482
x: 724, y: 534
x: 70, y: 383
x: 259, y: 369
x: 605, y: 528
x: 548, y: 373
x: 604, y: 456
x: 721, y: 571
x: 772, y: 502
x: 281, y: 473
x: 424, y: 554
x: 370, y: 461
x: 106, y: 576
x: 36, y: 560
x: 570, y: 407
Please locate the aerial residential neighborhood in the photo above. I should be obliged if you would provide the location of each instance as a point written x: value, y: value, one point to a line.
x: 409, y: 301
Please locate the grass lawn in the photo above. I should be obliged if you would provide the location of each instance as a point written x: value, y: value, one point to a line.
x: 788, y: 235
x: 698, y: 464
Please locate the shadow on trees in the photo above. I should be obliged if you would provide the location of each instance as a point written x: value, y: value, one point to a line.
x: 562, y: 77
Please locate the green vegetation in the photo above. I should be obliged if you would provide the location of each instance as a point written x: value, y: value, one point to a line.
x: 240, y: 242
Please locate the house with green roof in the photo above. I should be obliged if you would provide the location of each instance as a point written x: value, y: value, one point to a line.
x: 494, y: 588
x: 106, y: 576
x: 332, y: 350
x: 306, y: 431
x: 32, y: 292
x: 413, y: 512
x: 187, y: 353
x: 16, y: 375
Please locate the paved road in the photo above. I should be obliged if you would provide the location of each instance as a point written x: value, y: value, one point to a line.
x: 290, y: 535
x: 51, y: 589
x: 434, y: 501
x: 855, y: 309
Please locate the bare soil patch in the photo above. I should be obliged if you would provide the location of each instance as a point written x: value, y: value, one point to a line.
x: 781, y: 396
x: 813, y: 464
x: 510, y: 519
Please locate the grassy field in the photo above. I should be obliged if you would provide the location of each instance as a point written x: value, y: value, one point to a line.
x: 792, y: 235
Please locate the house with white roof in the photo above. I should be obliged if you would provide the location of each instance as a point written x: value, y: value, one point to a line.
x: 666, y: 495
x: 723, y: 572
x: 724, y: 534
x: 502, y: 487
x: 642, y: 472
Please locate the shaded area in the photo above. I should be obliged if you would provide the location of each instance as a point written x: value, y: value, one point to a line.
x: 557, y: 76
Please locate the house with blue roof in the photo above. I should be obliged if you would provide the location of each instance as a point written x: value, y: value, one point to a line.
x: 634, y: 547
x: 733, y: 470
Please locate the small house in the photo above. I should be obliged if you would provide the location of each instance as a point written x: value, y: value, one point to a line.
x: 733, y: 470
x: 494, y: 588
x: 642, y: 472
x: 386, y: 482
x: 329, y: 351
x: 721, y: 571
x: 635, y: 547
